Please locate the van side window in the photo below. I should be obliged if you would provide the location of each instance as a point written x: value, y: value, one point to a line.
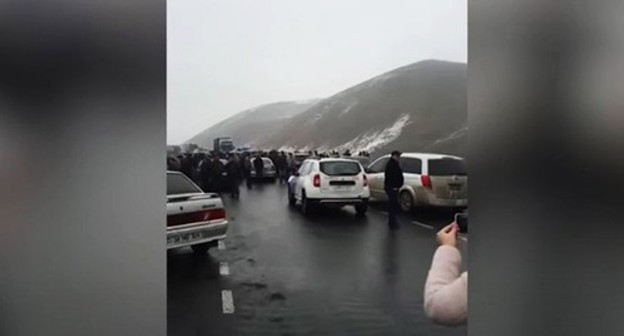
x: 411, y: 165
x: 379, y: 166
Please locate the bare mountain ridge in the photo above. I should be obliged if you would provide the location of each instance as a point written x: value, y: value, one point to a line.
x: 419, y: 107
x: 250, y: 125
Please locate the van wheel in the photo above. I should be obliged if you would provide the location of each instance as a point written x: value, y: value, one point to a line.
x: 406, y: 201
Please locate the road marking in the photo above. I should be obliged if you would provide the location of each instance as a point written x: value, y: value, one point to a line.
x: 423, y: 225
x: 221, y: 245
x: 224, y: 269
x: 228, y: 301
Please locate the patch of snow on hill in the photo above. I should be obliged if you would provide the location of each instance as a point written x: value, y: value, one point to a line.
x: 450, y: 137
x: 348, y: 109
x: 372, y: 140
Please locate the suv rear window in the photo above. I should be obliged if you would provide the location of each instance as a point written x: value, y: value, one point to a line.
x: 180, y: 184
x: 446, y: 167
x: 340, y: 168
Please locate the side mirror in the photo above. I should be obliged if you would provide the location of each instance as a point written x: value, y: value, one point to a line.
x: 367, y: 170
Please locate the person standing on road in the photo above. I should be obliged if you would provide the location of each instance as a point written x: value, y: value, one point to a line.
x: 247, y: 167
x: 259, y: 167
x: 282, y: 167
x: 233, y: 176
x: 393, y: 180
x: 206, y: 172
x: 446, y: 288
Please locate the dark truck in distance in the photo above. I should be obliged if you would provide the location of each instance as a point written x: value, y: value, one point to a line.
x: 194, y: 218
x: 223, y: 145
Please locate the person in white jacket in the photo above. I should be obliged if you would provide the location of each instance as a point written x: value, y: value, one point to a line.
x: 446, y: 288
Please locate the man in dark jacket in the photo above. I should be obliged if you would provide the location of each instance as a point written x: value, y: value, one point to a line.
x: 217, y: 174
x: 234, y: 175
x: 259, y: 167
x: 393, y: 180
x: 247, y: 167
x: 186, y: 167
x: 206, y: 174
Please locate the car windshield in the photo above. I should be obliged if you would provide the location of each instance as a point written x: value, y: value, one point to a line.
x: 447, y: 167
x: 179, y: 184
x: 340, y: 168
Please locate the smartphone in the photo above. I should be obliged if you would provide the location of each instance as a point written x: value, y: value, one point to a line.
x: 462, y: 221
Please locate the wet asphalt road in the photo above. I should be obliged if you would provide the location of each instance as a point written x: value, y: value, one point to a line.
x: 334, y: 274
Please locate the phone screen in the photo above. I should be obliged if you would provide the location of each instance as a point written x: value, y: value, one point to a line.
x: 462, y: 221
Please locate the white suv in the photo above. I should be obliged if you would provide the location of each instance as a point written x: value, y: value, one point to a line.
x: 331, y: 181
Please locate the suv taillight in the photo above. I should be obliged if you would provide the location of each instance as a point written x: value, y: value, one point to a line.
x: 365, y: 180
x: 426, y: 181
x: 316, y: 181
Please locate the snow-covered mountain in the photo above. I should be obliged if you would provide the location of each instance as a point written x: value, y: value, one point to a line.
x: 419, y: 107
x: 248, y: 126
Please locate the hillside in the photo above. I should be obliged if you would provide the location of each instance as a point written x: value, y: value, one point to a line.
x: 419, y: 107
x: 250, y: 125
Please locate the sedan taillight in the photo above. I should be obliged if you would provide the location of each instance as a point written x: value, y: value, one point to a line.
x: 316, y: 182
x: 195, y: 217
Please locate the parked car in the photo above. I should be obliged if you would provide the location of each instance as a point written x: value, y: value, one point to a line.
x: 434, y: 180
x: 363, y: 160
x: 194, y: 218
x: 269, y: 172
x: 299, y: 158
x: 331, y: 182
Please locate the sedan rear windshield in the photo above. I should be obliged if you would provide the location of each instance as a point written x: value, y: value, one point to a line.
x: 180, y: 184
x: 447, y: 167
x: 340, y: 168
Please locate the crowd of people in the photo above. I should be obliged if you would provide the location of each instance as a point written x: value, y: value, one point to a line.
x: 220, y: 172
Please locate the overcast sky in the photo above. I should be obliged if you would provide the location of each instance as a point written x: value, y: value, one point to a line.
x: 225, y: 56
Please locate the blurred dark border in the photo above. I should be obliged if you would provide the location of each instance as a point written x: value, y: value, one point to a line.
x: 545, y: 162
x: 82, y: 139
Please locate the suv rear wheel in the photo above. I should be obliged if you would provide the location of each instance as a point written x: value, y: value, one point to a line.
x: 360, y: 209
x: 306, y: 206
x: 406, y: 201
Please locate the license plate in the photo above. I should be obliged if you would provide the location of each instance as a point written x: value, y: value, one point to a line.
x: 342, y: 187
x: 455, y: 186
x: 184, y: 238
